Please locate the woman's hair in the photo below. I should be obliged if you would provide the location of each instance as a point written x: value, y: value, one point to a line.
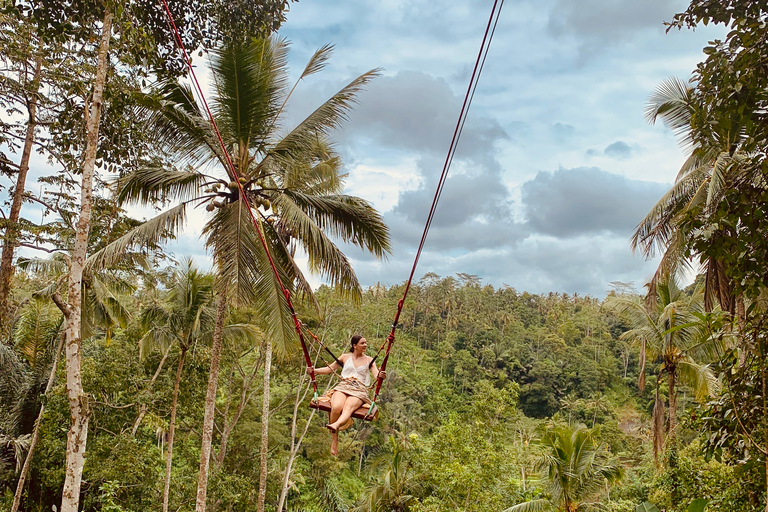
x: 355, y: 339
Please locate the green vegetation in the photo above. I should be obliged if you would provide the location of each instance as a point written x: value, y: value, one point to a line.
x: 128, y: 380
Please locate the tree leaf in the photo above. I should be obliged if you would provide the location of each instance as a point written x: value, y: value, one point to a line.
x: 697, y: 505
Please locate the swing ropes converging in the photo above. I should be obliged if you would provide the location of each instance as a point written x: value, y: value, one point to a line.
x: 490, y: 30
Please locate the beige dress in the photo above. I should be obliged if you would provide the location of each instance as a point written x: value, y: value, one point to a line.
x: 355, y: 381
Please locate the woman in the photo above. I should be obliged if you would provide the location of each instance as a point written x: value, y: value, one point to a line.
x: 352, y: 391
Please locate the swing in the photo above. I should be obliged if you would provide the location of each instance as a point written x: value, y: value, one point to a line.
x: 367, y: 412
x: 364, y: 413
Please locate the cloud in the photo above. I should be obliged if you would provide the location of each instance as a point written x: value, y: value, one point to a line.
x: 573, y: 202
x: 618, y: 149
x: 615, y: 21
x: 417, y: 112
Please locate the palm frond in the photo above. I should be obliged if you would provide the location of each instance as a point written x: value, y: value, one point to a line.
x: 700, y: 378
x: 540, y: 505
x: 349, y: 218
x: 162, y: 227
x: 55, y: 265
x: 156, y: 184
x: 180, y: 125
x: 250, y: 79
x: 329, y: 116
x: 244, y: 267
x: 36, y: 330
x: 672, y: 102
x: 318, y: 61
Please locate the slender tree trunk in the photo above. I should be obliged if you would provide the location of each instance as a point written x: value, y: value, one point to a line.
x: 78, y: 401
x: 264, y: 428
x: 672, y: 425
x: 210, y: 403
x: 245, y: 397
x: 172, y: 430
x: 295, y: 443
x: 143, y: 407
x: 36, y: 431
x: 12, y: 229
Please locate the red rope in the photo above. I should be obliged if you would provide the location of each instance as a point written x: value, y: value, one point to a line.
x: 236, y: 178
x: 479, y: 62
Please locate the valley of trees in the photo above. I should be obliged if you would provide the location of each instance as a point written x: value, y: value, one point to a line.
x: 131, y: 379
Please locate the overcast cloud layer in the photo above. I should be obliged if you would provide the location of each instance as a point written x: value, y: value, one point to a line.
x: 556, y: 164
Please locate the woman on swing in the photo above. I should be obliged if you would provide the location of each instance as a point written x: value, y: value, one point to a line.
x: 352, y: 391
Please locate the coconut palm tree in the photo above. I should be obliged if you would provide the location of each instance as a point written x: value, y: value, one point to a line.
x: 292, y: 177
x: 395, y: 490
x: 574, y: 471
x: 183, y: 319
x: 715, y: 164
x: 667, y: 330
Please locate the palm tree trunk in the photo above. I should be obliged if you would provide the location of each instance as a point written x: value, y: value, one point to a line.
x: 672, y: 425
x: 172, y: 430
x: 210, y: 403
x: 264, y: 428
x: 12, y: 229
x: 78, y: 401
x: 36, y: 432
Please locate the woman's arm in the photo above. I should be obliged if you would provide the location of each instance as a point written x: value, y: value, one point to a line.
x: 376, y: 373
x: 330, y: 368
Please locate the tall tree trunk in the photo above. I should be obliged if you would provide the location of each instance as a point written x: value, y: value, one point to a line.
x: 264, y: 429
x: 301, y: 394
x: 229, y: 426
x: 210, y: 403
x: 36, y: 431
x: 672, y: 425
x: 78, y: 401
x: 172, y: 430
x: 143, y: 407
x: 12, y: 229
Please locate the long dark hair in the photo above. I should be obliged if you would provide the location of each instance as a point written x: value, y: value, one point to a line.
x: 354, y: 341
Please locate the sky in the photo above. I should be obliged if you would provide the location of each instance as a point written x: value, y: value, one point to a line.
x: 556, y: 164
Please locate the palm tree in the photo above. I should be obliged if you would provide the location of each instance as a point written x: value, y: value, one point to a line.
x: 183, y: 319
x: 574, y: 470
x: 37, y: 328
x: 667, y: 330
x: 715, y: 164
x: 395, y: 490
x: 292, y: 178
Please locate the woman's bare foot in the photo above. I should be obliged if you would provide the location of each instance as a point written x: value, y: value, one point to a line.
x: 335, y: 444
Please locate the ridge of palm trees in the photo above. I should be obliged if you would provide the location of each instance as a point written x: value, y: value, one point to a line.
x: 294, y: 180
x: 667, y: 329
x: 716, y: 163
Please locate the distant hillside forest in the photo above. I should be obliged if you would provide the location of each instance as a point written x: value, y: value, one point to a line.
x: 481, y: 382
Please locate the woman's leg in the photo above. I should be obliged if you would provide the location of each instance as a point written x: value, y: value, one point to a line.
x: 351, y: 404
x: 337, y: 405
x: 338, y: 399
x: 335, y: 443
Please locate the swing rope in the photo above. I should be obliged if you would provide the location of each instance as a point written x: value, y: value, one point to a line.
x: 479, y: 63
x: 236, y: 178
x: 490, y: 30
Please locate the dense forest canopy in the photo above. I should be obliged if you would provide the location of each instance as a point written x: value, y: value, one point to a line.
x: 132, y: 380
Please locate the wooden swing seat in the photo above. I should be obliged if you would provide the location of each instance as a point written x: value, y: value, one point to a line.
x: 324, y: 404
